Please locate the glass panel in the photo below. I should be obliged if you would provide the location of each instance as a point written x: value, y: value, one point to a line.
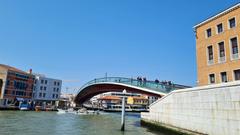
x: 164, y: 87
x: 210, y: 53
x: 224, y: 76
x: 220, y: 28
x: 232, y: 23
x: 212, y: 78
x: 234, y: 44
x: 221, y: 49
x: 209, y: 32
x: 237, y: 74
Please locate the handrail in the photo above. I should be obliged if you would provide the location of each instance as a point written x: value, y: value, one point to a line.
x: 152, y: 85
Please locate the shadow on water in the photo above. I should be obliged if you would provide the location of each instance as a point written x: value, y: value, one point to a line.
x: 17, y: 122
x: 151, y: 129
x: 159, y: 130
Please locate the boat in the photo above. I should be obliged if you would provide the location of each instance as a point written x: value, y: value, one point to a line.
x: 24, y: 107
x: 128, y: 108
x: 61, y: 111
x: 84, y: 111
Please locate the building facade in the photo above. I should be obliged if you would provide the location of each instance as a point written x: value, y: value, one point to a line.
x: 142, y: 100
x: 217, y: 47
x: 14, y: 84
x: 46, y: 90
x: 66, y: 101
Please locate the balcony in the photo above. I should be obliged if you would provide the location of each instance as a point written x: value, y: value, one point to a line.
x: 235, y: 56
x: 210, y: 62
x: 222, y: 59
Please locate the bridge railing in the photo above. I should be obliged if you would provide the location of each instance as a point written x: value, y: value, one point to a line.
x: 157, y: 86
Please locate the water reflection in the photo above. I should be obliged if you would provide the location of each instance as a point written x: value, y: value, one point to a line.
x: 51, y: 123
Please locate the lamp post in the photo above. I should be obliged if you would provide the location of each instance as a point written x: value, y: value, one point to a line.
x: 123, y: 111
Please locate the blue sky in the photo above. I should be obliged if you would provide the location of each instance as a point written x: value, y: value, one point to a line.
x: 79, y: 40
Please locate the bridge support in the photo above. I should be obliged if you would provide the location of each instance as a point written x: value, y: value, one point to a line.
x: 123, y: 111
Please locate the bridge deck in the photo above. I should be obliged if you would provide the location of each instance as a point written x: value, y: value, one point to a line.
x: 151, y: 85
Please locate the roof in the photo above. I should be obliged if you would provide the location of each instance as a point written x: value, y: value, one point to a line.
x: 109, y: 98
x: 12, y: 69
x: 218, y: 15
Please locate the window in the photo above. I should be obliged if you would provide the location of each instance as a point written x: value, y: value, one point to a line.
x: 219, y: 28
x: 232, y: 23
x: 8, y: 82
x: 40, y: 95
x: 58, y: 83
x: 44, y: 94
x: 224, y: 77
x: 55, y: 83
x: 54, y: 89
x: 53, y: 96
x: 234, y: 46
x: 210, y: 55
x: 45, y: 88
x: 209, y: 32
x: 20, y: 85
x: 41, y: 87
x: 45, y: 81
x: 57, y: 89
x: 56, y: 95
x: 237, y: 74
x: 221, y: 51
x: 212, y: 78
x: 13, y: 92
x: 42, y: 81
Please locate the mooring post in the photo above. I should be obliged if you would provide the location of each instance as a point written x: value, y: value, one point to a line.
x: 123, y: 111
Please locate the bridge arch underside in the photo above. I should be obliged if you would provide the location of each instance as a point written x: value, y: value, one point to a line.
x: 93, y: 90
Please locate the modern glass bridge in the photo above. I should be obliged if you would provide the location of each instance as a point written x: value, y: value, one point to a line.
x: 163, y: 87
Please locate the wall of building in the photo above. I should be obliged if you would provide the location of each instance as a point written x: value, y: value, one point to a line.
x: 213, y: 109
x: 14, y: 85
x: 51, y: 88
x: 3, y: 76
x: 202, y: 43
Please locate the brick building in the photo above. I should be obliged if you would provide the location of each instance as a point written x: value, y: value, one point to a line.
x: 14, y: 84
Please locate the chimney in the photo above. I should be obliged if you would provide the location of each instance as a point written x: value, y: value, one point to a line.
x: 30, y: 71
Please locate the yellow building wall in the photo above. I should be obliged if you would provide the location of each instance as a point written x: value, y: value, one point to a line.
x: 130, y: 100
x: 202, y: 43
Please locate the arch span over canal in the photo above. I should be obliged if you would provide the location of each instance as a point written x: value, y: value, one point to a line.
x: 118, y: 84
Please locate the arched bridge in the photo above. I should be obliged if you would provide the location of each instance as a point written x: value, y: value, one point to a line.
x: 118, y: 84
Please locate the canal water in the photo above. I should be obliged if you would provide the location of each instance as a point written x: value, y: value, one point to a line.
x: 52, y: 123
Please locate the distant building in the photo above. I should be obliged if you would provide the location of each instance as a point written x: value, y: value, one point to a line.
x: 114, y: 98
x: 15, y: 84
x: 217, y: 46
x: 46, y: 90
x: 108, y: 101
x: 67, y: 101
x: 119, y: 94
x: 152, y: 99
x: 142, y: 100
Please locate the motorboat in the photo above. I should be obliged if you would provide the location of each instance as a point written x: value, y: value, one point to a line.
x: 84, y: 111
x: 24, y: 107
x: 128, y: 108
x: 61, y: 111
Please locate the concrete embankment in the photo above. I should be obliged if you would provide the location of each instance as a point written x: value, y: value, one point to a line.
x: 213, y: 110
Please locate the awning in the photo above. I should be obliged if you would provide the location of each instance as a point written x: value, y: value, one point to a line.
x: 20, y: 99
